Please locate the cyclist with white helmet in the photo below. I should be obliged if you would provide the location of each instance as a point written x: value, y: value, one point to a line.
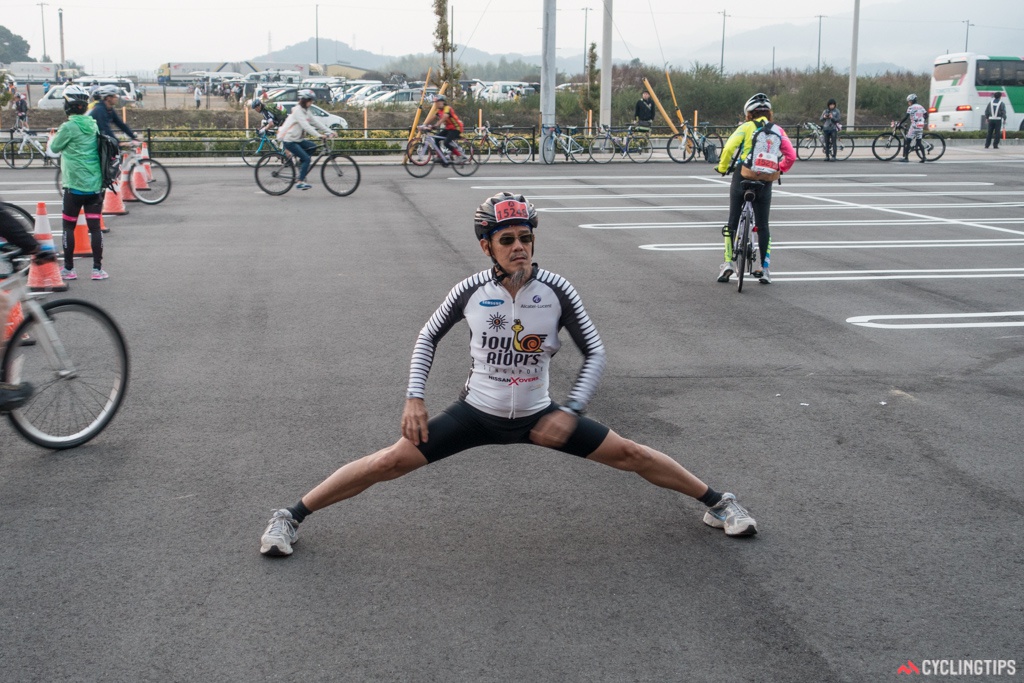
x: 105, y: 113
x: 740, y: 147
x: 82, y: 176
x: 300, y: 121
x: 918, y: 117
x: 515, y: 311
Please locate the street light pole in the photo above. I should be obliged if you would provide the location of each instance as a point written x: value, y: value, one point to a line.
x: 42, y: 16
x: 60, y: 22
x: 317, y: 34
x: 721, y: 62
x: 586, y: 62
x: 967, y: 37
x: 820, y: 17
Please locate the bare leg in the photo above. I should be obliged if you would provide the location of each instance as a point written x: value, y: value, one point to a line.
x: 652, y: 465
x: 357, y: 476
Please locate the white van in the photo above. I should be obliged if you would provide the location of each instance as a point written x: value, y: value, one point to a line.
x: 54, y: 97
x: 504, y: 91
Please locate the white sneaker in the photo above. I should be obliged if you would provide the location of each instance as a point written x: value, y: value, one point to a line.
x: 726, y: 271
x: 731, y: 516
x: 281, y: 533
x: 765, y: 277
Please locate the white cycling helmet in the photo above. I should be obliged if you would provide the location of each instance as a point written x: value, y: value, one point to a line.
x: 107, y: 91
x: 911, y: 98
x: 306, y: 94
x: 758, y: 101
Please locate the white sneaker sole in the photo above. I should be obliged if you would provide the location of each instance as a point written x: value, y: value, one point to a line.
x: 747, y: 529
x: 275, y: 548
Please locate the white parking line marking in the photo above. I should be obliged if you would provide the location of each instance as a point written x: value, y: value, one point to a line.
x: 953, y: 274
x: 843, y: 244
x: 676, y: 176
x: 868, y: 320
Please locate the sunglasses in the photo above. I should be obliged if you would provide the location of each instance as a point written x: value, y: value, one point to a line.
x: 509, y: 240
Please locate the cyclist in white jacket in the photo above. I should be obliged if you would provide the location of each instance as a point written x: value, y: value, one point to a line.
x: 291, y: 132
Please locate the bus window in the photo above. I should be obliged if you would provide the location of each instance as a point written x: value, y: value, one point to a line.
x: 989, y: 73
x: 947, y: 72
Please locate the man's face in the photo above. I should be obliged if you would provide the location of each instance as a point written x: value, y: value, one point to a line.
x: 511, y: 247
x: 646, y: 95
x: 110, y: 101
x: 305, y: 103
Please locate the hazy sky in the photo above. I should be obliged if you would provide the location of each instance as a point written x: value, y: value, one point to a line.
x: 139, y: 35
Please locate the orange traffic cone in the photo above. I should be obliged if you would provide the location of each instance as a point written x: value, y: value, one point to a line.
x: 139, y: 178
x: 145, y: 162
x: 14, y: 319
x: 123, y: 190
x: 45, y: 277
x: 83, y: 245
x: 112, y: 204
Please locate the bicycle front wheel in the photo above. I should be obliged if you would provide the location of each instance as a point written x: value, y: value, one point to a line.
x: 844, y: 147
x: 466, y: 165
x: 71, y: 403
x: 934, y: 146
x: 149, y: 190
x: 275, y: 173
x: 419, y: 158
x: 805, y: 150
x: 640, y: 149
x: 602, y: 149
x: 18, y: 156
x: 484, y: 149
x: 249, y: 151
x: 517, y: 149
x: 340, y: 174
x: 886, y: 146
x: 21, y: 216
x: 681, y: 148
x: 547, y: 150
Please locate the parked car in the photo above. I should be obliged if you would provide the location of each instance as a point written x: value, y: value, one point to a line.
x: 404, y: 98
x: 323, y: 94
x: 327, y: 118
x: 54, y: 98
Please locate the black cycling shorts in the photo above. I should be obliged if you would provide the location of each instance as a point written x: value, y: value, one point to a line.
x: 461, y: 426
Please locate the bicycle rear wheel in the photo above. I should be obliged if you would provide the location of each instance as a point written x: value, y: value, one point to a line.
x: 886, y: 146
x: 152, y: 190
x: 517, y: 149
x: 681, y: 148
x: 602, y: 149
x: 17, y: 157
x: 640, y: 149
x: 419, y: 158
x: 466, y: 165
x: 934, y: 146
x: 275, y: 173
x: 71, y: 405
x: 844, y: 147
x: 547, y: 150
x: 805, y: 150
x: 741, y: 252
x: 21, y: 216
x: 340, y: 174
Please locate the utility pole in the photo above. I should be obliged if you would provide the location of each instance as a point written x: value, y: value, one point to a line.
x: 317, y: 33
x: 851, y: 92
x: 605, y: 107
x: 820, y: 17
x: 721, y: 63
x: 966, y: 37
x: 42, y: 16
x: 548, y: 69
x: 60, y: 22
x: 586, y: 70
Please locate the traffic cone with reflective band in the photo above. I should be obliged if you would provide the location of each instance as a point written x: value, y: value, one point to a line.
x: 112, y: 204
x: 124, y: 191
x: 83, y: 245
x: 14, y: 319
x: 45, y: 277
x: 139, y: 178
x: 145, y: 162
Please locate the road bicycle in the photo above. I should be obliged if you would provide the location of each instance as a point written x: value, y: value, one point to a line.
x: 634, y: 144
x: 684, y: 146
x: 19, y: 152
x: 427, y: 149
x: 148, y: 179
x: 566, y: 143
x: 815, y: 138
x: 254, y: 148
x: 515, y: 148
x: 887, y: 146
x: 746, y: 253
x: 74, y: 356
x: 276, y: 173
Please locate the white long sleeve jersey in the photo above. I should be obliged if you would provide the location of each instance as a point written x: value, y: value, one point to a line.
x: 512, y: 342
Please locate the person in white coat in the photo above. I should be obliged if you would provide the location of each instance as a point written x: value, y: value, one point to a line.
x: 300, y: 121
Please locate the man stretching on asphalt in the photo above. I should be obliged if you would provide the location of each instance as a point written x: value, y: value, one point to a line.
x: 515, y: 311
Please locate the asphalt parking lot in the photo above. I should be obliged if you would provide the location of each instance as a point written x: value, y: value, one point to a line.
x: 866, y: 407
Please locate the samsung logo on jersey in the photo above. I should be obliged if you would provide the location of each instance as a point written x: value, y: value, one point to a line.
x: 492, y: 302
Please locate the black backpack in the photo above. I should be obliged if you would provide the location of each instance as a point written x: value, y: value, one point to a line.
x: 110, y: 160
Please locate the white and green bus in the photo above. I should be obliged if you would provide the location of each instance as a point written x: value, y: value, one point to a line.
x: 963, y: 84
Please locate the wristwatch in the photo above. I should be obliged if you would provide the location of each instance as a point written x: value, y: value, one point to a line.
x: 574, y: 407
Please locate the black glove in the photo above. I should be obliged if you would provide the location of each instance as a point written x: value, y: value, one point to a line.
x: 45, y: 256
